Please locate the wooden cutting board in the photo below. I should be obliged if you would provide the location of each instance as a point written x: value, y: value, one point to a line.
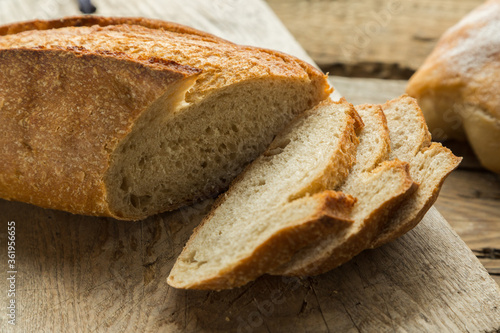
x: 84, y: 274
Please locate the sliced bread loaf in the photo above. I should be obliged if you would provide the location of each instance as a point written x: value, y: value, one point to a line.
x: 279, y: 204
x: 379, y: 186
x: 430, y: 164
x: 130, y: 117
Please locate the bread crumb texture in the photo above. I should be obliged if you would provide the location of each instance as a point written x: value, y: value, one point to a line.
x: 280, y: 203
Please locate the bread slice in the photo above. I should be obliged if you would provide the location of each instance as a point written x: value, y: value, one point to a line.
x: 280, y: 203
x: 378, y: 184
x: 430, y: 164
x: 130, y: 117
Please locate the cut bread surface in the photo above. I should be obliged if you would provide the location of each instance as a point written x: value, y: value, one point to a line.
x: 199, y: 150
x: 430, y: 164
x: 407, y: 128
x: 277, y: 205
x: 378, y: 185
x: 183, y: 143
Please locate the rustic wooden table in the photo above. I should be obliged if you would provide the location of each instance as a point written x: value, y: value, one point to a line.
x: 83, y: 274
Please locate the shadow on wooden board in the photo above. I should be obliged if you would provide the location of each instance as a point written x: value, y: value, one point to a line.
x: 93, y: 274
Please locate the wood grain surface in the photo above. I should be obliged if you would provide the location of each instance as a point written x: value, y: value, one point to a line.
x: 384, y: 38
x: 84, y: 274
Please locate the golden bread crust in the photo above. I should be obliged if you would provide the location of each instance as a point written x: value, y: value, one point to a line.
x: 90, y: 20
x: 57, y: 128
x: 287, y: 65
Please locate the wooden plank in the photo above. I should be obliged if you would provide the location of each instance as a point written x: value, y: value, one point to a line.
x: 227, y: 19
x: 363, y: 36
x: 79, y: 273
x: 96, y: 274
x: 472, y: 196
x: 470, y: 200
x: 360, y: 91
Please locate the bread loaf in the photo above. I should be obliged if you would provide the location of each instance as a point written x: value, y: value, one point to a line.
x: 279, y: 204
x: 130, y: 117
x: 457, y: 86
